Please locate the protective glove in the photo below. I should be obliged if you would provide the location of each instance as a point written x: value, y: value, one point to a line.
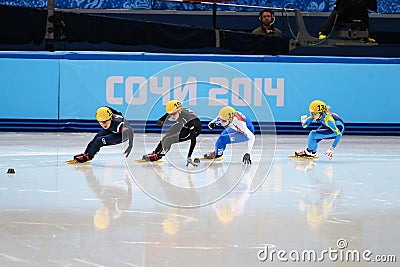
x: 160, y: 122
x: 190, y: 161
x: 329, y: 153
x: 212, y: 125
x: 303, y: 119
x: 128, y: 150
x: 246, y: 158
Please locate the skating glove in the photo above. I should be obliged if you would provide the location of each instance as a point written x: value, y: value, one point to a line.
x: 246, y: 158
x: 212, y: 125
x: 303, y: 119
x: 160, y: 122
x: 190, y: 161
x: 128, y: 150
x: 329, y: 153
x: 163, y: 120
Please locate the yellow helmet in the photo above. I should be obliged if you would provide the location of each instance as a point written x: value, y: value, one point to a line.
x: 103, y: 114
x: 173, y: 106
x: 317, y: 106
x: 227, y: 113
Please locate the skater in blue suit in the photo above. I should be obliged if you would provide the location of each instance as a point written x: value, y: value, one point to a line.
x: 332, y: 127
x: 238, y: 128
x: 115, y: 130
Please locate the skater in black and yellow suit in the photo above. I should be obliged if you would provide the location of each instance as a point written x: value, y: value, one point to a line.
x: 187, y: 126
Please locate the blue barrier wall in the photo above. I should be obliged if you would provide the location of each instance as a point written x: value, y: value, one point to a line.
x: 384, y: 6
x: 61, y: 91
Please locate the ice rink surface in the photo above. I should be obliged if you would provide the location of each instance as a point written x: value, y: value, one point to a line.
x: 276, y: 212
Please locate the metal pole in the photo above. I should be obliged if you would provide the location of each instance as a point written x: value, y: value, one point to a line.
x: 215, y: 4
x: 214, y: 16
x: 233, y: 5
x: 49, y: 37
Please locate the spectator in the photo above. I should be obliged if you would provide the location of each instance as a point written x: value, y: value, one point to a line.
x: 267, y: 20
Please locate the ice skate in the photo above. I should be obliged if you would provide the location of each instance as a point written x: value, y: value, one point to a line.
x: 79, y: 159
x: 304, y: 153
x: 209, y: 155
x: 150, y: 157
x: 146, y: 157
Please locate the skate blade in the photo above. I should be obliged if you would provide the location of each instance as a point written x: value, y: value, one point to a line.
x: 143, y: 160
x: 73, y: 161
x: 216, y: 159
x: 302, y: 157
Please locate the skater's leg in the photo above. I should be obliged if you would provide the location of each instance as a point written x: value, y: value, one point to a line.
x: 175, y: 135
x: 237, y: 137
x: 222, y: 141
x: 312, y: 145
x: 171, y: 137
x: 316, y: 136
x: 102, y: 140
x: 159, y: 148
x: 228, y: 136
x: 167, y: 142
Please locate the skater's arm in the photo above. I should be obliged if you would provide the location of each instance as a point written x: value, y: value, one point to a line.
x: 192, y: 141
x: 215, y: 120
x: 306, y: 121
x: 242, y: 127
x: 330, y: 122
x: 336, y: 141
x: 212, y: 124
x: 127, y: 133
x: 125, y: 129
x: 337, y: 138
x: 332, y: 125
x: 251, y: 141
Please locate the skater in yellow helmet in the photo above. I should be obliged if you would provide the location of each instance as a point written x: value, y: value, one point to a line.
x: 238, y: 128
x: 115, y: 131
x: 331, y: 127
x: 187, y: 126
